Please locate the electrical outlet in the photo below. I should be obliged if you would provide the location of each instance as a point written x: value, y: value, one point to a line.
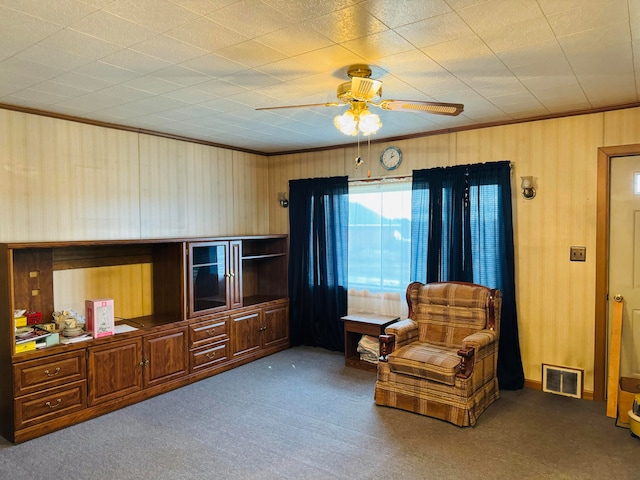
x: 578, y: 254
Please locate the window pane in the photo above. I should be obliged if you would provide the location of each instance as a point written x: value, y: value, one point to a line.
x: 379, y: 236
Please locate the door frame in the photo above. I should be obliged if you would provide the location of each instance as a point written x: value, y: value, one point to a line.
x: 605, y: 154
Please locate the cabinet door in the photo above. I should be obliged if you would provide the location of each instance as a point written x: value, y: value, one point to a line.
x: 235, y: 274
x: 114, y: 370
x: 209, y: 276
x: 245, y: 332
x: 165, y: 356
x: 276, y: 325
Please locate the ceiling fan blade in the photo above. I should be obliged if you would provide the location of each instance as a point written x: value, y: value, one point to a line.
x: 439, y: 108
x: 310, y: 105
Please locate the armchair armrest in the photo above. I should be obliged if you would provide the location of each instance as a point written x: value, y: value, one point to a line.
x: 472, y: 343
x: 405, y: 331
x: 387, y: 344
x: 397, y: 334
x: 480, y: 339
x: 467, y: 361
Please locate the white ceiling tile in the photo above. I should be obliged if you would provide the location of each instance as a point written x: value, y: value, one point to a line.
x: 91, y: 102
x: 191, y: 95
x: 287, y: 69
x: 168, y: 49
x: 107, y: 72
x: 402, y: 12
x: 485, y: 17
x: 252, y: 53
x: 328, y: 58
x: 431, y: 31
x: 178, y: 75
x: 158, y: 15
x: 378, y: 45
x: 61, y: 12
x: 203, y: 7
x: 497, y: 57
x: 307, y: 40
x: 589, y: 15
x: 517, y: 35
x: 135, y: 61
x: 62, y: 91
x: 251, y: 79
x: 306, y: 9
x: 126, y: 93
x: 204, y: 33
x: 37, y: 72
x: 19, y: 31
x: 219, y: 88
x: 347, y: 24
x: 113, y: 29
x: 38, y: 96
x: 214, y: 65
x: 250, y: 18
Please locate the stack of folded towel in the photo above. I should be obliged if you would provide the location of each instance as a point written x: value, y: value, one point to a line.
x: 369, y: 349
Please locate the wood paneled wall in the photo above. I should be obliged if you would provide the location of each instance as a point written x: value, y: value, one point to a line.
x: 555, y: 297
x: 68, y: 181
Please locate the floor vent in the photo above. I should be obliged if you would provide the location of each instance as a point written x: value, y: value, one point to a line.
x: 562, y: 380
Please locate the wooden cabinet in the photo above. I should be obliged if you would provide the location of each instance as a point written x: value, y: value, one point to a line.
x: 246, y: 332
x: 209, y: 343
x: 165, y: 356
x: 49, y: 387
x: 199, y: 306
x: 215, y: 277
x: 123, y: 368
x: 115, y: 370
x: 256, y: 330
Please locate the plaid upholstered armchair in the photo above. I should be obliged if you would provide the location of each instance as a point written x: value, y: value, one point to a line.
x: 442, y: 360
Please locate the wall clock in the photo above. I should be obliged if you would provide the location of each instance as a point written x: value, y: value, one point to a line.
x: 390, y: 157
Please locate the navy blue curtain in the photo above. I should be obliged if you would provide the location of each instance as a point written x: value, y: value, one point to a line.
x: 462, y: 230
x: 318, y: 227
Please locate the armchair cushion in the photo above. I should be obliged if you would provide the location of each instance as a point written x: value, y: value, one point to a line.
x: 423, y: 360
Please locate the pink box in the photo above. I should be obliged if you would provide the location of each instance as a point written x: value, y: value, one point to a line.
x: 100, y: 319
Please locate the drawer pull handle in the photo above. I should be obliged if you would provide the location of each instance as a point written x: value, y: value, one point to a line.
x: 210, y: 355
x: 58, y: 402
x: 211, y: 332
x: 46, y: 372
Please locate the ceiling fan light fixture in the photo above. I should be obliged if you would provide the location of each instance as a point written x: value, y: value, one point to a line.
x: 369, y: 123
x: 358, y: 118
x: 347, y: 123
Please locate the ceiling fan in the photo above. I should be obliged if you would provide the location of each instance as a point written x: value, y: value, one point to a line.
x: 360, y: 92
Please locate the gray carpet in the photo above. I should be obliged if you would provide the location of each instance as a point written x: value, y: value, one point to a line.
x: 300, y: 414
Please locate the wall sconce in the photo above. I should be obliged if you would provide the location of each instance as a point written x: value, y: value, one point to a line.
x: 528, y: 191
x: 282, y: 198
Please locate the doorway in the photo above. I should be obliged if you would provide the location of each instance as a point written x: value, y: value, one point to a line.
x: 624, y: 265
x: 605, y: 157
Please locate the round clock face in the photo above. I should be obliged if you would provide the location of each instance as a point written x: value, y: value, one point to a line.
x: 391, y: 157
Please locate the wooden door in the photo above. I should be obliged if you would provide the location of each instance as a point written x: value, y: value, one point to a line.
x: 114, y: 370
x: 276, y: 325
x: 624, y: 258
x: 245, y: 332
x: 166, y: 356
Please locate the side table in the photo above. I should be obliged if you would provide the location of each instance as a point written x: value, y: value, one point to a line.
x: 356, y: 325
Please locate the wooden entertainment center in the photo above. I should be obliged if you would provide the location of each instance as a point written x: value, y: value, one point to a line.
x: 214, y: 303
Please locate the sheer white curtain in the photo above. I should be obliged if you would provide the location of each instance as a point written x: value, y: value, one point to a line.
x: 379, y: 246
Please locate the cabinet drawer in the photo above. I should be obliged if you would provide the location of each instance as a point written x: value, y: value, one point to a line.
x: 207, y: 332
x: 209, y: 355
x: 43, y: 406
x: 35, y: 375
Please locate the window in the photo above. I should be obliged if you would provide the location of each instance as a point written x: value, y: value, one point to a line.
x: 379, y: 256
